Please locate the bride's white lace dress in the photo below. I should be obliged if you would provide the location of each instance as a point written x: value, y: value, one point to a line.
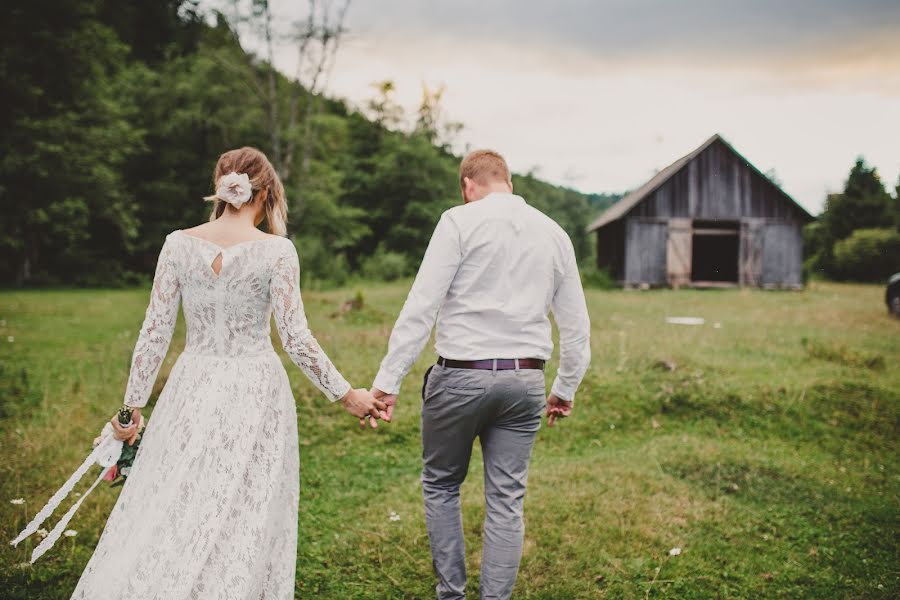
x: 209, y: 510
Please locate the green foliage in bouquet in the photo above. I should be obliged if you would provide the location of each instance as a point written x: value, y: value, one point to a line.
x: 126, y: 459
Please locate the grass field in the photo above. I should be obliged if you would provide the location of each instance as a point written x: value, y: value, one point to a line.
x: 768, y: 455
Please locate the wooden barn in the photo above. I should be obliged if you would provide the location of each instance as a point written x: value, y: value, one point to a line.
x: 710, y: 219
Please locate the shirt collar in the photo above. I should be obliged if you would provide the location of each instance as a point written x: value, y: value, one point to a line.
x: 503, y: 196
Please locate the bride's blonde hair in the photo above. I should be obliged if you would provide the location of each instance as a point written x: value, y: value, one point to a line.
x: 265, y: 185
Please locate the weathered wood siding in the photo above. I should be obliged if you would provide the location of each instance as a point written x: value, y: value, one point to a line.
x: 717, y: 184
x: 645, y: 252
x: 782, y: 255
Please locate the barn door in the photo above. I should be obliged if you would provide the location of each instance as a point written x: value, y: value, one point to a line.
x: 678, y: 253
x: 751, y: 252
x: 782, y: 260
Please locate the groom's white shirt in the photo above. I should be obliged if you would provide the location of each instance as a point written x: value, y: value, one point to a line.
x: 494, y: 268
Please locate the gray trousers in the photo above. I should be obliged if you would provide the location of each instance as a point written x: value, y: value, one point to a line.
x: 503, y: 409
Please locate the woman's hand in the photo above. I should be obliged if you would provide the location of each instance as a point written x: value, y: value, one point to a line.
x: 127, y: 433
x: 364, y: 406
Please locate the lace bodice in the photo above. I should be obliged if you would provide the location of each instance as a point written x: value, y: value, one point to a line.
x: 228, y: 314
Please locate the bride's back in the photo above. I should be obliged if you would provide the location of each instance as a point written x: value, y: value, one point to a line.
x: 229, y: 290
x: 228, y: 312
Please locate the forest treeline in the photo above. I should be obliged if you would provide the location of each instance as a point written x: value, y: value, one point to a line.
x: 115, y: 112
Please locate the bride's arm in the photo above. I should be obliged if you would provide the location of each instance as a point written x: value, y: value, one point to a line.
x: 296, y: 338
x: 156, y: 332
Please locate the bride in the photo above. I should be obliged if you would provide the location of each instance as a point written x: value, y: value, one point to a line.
x: 210, y: 507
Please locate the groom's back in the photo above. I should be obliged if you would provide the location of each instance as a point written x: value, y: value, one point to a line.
x: 493, y: 270
x: 512, y: 258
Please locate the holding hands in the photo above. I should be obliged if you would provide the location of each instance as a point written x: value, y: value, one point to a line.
x: 390, y: 400
x: 364, y: 406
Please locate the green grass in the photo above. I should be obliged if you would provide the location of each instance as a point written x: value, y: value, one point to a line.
x: 769, y: 455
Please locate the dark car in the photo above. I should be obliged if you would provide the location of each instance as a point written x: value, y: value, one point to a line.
x: 892, y: 295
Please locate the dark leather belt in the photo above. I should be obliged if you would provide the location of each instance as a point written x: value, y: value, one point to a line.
x: 503, y: 364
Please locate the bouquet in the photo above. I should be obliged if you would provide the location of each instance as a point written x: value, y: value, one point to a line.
x: 112, y: 455
x: 118, y: 473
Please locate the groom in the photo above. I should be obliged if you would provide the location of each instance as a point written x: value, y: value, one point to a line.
x: 494, y: 268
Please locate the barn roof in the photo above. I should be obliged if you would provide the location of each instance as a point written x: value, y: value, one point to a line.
x: 623, y: 206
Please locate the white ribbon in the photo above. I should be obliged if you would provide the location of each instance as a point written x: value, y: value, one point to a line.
x: 106, y: 454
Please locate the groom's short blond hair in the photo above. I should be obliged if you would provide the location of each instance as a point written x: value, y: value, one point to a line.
x: 483, y: 167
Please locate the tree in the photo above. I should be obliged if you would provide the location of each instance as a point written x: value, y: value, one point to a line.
x: 64, y: 137
x: 895, y: 205
x: 383, y: 108
x: 864, y: 204
x: 431, y: 122
x: 193, y: 107
x: 316, y: 39
x: 402, y: 190
x: 115, y: 111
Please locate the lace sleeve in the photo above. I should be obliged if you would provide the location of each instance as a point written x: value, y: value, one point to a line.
x: 296, y: 338
x: 156, y: 332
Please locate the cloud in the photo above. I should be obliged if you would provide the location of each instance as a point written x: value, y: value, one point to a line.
x: 824, y: 36
x: 600, y: 94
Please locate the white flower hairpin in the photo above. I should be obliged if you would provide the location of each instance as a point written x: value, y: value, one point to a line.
x: 234, y: 188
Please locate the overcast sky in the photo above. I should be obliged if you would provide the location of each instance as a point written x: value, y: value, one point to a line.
x: 600, y: 94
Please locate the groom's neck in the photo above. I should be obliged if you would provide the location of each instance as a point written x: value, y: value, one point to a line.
x: 493, y: 187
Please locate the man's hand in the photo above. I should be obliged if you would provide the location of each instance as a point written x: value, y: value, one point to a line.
x: 127, y: 433
x: 557, y: 409
x: 362, y: 404
x: 390, y: 401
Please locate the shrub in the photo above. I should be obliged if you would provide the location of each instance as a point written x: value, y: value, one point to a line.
x: 385, y: 265
x: 868, y: 255
x: 597, y: 278
x: 320, y: 266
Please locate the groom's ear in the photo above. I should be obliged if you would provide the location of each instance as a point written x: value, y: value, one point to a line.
x: 466, y: 189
